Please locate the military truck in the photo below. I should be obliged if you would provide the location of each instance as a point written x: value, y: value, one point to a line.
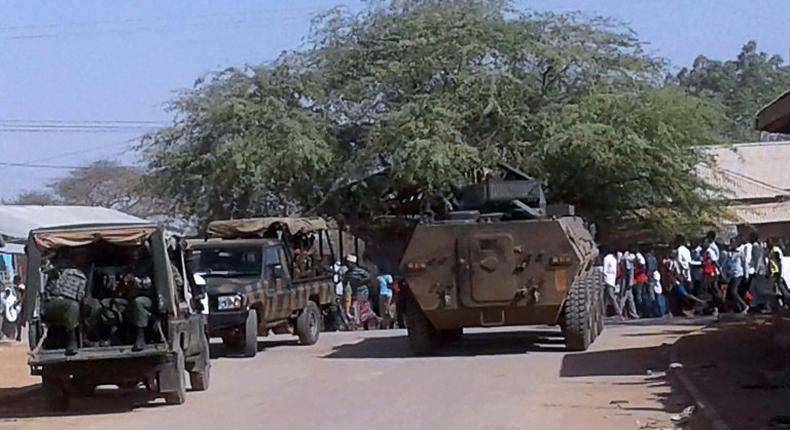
x: 77, y: 272
x: 495, y: 254
x: 265, y: 275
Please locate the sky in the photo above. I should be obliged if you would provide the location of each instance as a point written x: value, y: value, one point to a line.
x: 95, y: 61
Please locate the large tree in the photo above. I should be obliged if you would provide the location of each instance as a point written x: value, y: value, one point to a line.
x: 741, y: 86
x: 431, y: 91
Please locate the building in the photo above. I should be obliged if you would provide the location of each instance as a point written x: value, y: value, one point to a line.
x: 775, y: 117
x: 756, y: 183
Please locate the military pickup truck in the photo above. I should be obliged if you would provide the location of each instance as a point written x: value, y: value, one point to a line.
x: 113, y: 304
x: 265, y: 275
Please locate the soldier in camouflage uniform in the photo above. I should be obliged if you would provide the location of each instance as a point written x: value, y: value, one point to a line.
x: 131, y: 305
x: 64, y: 291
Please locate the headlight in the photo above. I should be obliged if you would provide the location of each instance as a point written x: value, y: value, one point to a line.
x: 226, y: 303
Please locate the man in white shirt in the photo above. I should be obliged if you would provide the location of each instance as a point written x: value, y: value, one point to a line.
x: 684, y: 258
x: 610, y: 279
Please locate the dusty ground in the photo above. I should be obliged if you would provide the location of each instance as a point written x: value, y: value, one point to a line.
x: 492, y: 380
x: 742, y: 367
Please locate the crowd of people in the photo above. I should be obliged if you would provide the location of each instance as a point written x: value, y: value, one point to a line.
x: 364, y: 301
x: 705, y: 277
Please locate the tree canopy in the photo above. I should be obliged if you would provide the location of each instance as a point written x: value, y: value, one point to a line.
x: 432, y: 91
x: 741, y: 86
x: 104, y: 183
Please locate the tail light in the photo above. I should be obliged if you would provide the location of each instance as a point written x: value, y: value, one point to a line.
x: 415, y: 266
x: 563, y: 260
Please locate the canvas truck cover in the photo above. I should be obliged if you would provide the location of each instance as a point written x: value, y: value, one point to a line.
x: 70, y: 237
x: 258, y: 227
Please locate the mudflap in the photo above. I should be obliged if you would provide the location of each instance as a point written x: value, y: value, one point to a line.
x: 169, y: 378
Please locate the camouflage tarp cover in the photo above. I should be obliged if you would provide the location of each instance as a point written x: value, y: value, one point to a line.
x: 259, y: 226
x: 121, y: 236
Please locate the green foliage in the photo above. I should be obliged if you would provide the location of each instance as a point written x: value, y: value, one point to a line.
x: 245, y: 143
x: 436, y: 90
x: 741, y: 86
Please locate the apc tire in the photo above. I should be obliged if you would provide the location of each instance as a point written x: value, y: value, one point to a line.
x: 308, y: 324
x: 179, y: 396
x: 451, y: 335
x: 579, y: 314
x: 423, y: 337
x: 250, y: 345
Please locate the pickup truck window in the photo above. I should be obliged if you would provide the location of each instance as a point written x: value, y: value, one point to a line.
x: 228, y: 261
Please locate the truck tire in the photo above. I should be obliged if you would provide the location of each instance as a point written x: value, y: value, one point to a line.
x: 423, y: 337
x: 179, y: 396
x: 250, y: 346
x: 56, y: 396
x: 579, y: 324
x: 308, y: 324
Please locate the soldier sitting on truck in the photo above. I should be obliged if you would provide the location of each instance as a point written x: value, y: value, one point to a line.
x: 130, y: 305
x: 65, y: 288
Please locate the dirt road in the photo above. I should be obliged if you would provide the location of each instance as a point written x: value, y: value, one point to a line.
x: 491, y: 380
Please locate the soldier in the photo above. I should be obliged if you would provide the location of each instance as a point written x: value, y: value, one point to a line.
x: 64, y: 291
x: 131, y: 304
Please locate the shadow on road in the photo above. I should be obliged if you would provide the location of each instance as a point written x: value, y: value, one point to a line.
x: 643, y: 366
x: 615, y: 362
x: 219, y: 350
x: 29, y: 402
x: 471, y: 344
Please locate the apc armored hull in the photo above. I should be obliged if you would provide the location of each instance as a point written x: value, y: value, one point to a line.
x: 479, y: 273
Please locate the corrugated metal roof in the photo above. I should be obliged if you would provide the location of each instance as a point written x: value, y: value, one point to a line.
x: 13, y: 248
x: 762, y: 213
x: 775, y: 116
x: 751, y: 170
x: 16, y: 221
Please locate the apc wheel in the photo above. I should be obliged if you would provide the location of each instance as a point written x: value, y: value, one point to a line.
x: 579, y: 324
x: 179, y: 396
x: 308, y: 324
x: 423, y: 337
x: 250, y: 346
x: 451, y: 335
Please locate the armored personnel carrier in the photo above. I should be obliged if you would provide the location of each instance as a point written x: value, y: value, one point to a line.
x: 499, y: 256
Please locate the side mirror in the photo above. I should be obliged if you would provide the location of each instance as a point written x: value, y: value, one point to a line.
x: 277, y: 271
x: 199, y: 280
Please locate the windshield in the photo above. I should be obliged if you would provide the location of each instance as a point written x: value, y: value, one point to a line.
x: 231, y: 261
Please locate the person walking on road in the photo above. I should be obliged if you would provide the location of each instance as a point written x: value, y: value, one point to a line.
x: 19, y: 287
x: 385, y: 298
x: 610, y: 279
x: 627, y: 302
x: 735, y: 277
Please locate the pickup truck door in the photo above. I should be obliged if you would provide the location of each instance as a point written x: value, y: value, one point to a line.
x: 279, y: 283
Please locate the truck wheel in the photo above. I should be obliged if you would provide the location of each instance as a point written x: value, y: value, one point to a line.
x: 250, y: 346
x: 423, y: 337
x: 55, y: 394
x: 579, y: 324
x: 308, y: 324
x: 179, y: 396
